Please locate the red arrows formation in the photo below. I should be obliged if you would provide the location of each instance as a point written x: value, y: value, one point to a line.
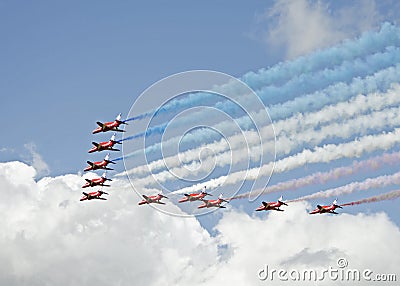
x: 156, y: 199
x: 102, y: 165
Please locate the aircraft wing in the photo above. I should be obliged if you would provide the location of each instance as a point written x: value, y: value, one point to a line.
x: 100, y: 124
x: 147, y: 198
x: 315, y: 211
x: 265, y: 204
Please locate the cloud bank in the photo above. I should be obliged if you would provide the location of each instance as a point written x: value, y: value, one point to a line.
x: 48, y: 237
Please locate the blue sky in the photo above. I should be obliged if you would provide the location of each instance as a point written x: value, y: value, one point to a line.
x: 87, y: 61
x: 65, y: 65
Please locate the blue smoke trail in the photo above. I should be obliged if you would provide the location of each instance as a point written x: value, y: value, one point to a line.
x: 159, y: 129
x: 369, y: 42
x: 311, y: 82
x: 303, y: 85
x: 379, y: 82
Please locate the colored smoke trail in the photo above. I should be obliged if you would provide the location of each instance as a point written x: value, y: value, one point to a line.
x: 137, y: 117
x: 372, y: 123
x: 381, y: 181
x: 367, y: 44
x: 384, y: 197
x: 325, y: 154
x: 149, y: 131
x: 300, y: 86
x: 376, y: 103
x: 380, y: 81
x: 322, y: 177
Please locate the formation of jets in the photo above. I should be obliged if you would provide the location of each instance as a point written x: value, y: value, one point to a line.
x: 102, y: 165
x: 156, y: 199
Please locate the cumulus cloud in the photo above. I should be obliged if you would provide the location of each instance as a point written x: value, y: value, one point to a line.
x: 296, y: 240
x: 301, y: 26
x: 37, y: 161
x: 48, y: 237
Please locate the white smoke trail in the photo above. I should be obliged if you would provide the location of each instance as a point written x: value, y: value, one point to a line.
x: 298, y: 123
x: 324, y: 154
x: 333, y: 94
x: 376, y: 121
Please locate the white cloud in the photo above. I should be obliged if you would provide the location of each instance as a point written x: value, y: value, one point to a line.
x: 48, y: 237
x: 301, y: 26
x: 296, y: 240
x: 37, y: 161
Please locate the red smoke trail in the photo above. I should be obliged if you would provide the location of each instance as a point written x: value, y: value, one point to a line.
x: 388, y: 196
x: 367, y: 184
x: 322, y: 177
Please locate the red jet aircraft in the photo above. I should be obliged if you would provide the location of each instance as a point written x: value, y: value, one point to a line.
x: 110, y: 126
x: 153, y: 199
x: 99, y: 165
x: 107, y: 145
x: 93, y: 196
x: 213, y: 203
x: 194, y: 197
x: 272, y: 206
x: 99, y: 181
x: 326, y: 209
